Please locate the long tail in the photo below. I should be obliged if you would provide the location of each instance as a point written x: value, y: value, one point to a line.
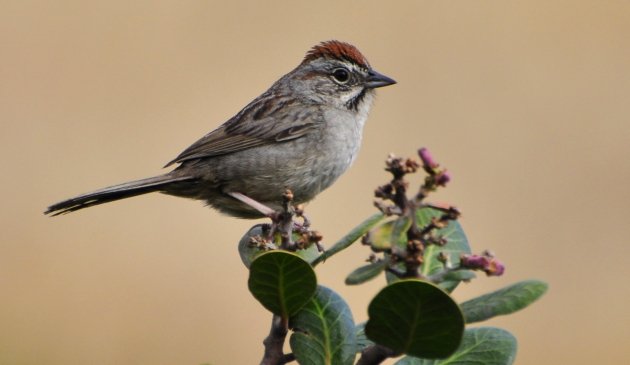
x: 116, y: 192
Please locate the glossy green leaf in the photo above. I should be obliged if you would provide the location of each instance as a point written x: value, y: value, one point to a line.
x: 350, y: 238
x: 504, y: 301
x: 249, y: 252
x: 457, y: 243
x: 362, y: 340
x: 416, y: 318
x: 484, y: 345
x: 366, y: 272
x: 324, y: 331
x: 282, y: 282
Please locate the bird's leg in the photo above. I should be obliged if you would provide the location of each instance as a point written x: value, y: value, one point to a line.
x: 265, y: 210
x: 282, y: 221
x: 253, y: 203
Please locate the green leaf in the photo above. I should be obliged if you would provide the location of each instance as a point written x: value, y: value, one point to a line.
x: 417, y: 318
x: 282, y: 282
x: 457, y: 243
x: 350, y: 238
x: 365, y: 273
x: 399, y: 232
x: 460, y: 275
x: 484, y: 345
x: 504, y: 301
x: 379, y: 237
x: 391, y: 232
x: 246, y: 250
x: 324, y: 331
x: 309, y: 254
x: 362, y: 340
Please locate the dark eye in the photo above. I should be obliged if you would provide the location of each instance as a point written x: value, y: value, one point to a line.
x: 341, y: 75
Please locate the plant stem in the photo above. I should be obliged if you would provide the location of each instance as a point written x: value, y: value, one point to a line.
x: 274, y: 343
x: 375, y: 354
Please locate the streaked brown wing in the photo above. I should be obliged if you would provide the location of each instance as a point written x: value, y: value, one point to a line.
x: 256, y: 125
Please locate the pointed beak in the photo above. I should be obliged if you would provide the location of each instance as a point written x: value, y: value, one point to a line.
x: 376, y: 79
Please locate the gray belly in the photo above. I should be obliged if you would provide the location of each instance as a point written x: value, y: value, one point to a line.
x: 263, y: 174
x: 307, y: 166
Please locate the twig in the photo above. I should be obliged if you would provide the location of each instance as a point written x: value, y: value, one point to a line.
x: 350, y: 238
x: 284, y: 221
x: 274, y: 343
x: 375, y: 354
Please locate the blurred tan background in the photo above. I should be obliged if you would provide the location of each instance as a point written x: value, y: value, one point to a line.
x: 526, y: 103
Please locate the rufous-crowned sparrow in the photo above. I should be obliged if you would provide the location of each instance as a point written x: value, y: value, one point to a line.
x: 301, y: 134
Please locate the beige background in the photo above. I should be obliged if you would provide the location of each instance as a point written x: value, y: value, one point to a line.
x: 527, y: 104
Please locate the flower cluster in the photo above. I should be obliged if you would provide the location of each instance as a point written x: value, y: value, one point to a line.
x: 485, y: 262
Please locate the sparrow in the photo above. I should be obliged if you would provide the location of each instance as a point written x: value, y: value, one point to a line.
x: 301, y: 134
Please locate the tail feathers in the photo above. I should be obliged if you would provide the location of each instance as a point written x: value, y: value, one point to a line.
x: 112, y: 193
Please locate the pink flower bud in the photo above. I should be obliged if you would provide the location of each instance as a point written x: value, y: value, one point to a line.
x: 474, y: 262
x: 494, y: 268
x: 427, y: 159
x: 443, y: 178
x: 485, y: 263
